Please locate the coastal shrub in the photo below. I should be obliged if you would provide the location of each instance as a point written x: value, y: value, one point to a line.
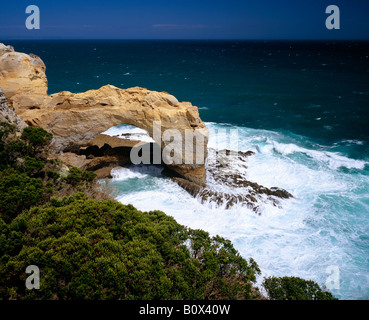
x: 22, y: 160
x: 294, y: 288
x: 10, y: 151
x: 18, y: 191
x: 89, y: 249
x: 10, y: 242
x: 33, y: 166
x: 12, y: 148
x: 88, y: 176
x: 27, y: 180
x: 36, y: 138
x: 77, y: 176
x: 53, y: 175
x: 5, y: 129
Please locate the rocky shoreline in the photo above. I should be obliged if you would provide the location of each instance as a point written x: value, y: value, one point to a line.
x: 104, y: 153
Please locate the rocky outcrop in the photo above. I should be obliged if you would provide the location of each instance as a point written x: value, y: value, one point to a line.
x: 76, y: 118
x: 9, y: 116
x: 22, y: 79
x: 227, y: 184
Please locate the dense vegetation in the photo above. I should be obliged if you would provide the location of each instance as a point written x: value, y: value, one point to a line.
x: 106, y: 250
x: 294, y: 288
x: 28, y: 177
x: 101, y: 249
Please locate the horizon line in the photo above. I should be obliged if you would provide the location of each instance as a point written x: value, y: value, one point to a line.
x: 176, y: 39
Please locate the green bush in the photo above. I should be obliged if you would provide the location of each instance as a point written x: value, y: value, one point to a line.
x: 33, y: 166
x: 22, y: 160
x: 10, y: 151
x: 88, y: 249
x: 88, y: 176
x: 76, y: 176
x: 53, y: 175
x: 294, y: 288
x: 5, y: 129
x: 18, y: 192
x: 12, y: 148
x: 36, y: 138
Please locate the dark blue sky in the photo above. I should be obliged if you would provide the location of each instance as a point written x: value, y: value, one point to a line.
x: 185, y: 19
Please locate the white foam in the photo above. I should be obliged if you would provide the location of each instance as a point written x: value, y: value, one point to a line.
x: 263, y: 141
x: 129, y: 132
x: 121, y: 174
x: 351, y: 142
x: 137, y: 171
x: 332, y: 159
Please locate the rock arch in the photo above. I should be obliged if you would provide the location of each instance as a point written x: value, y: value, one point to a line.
x: 76, y: 118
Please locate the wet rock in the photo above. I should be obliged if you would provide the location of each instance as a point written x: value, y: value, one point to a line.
x: 227, y: 184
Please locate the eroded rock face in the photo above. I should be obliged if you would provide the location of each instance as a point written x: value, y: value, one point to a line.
x: 76, y: 118
x: 22, y: 79
x: 9, y: 116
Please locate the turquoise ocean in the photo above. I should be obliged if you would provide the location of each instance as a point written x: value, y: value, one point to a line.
x: 302, y: 107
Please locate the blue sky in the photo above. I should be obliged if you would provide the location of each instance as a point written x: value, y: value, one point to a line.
x: 185, y: 19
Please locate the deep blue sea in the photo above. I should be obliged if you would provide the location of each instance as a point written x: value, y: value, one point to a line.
x: 302, y: 107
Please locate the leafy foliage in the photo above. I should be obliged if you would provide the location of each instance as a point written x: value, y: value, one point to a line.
x: 5, y: 129
x: 32, y: 166
x: 76, y: 176
x: 9, y: 149
x: 294, y: 288
x: 88, y: 249
x: 26, y: 178
x: 36, y: 138
x: 53, y: 175
x: 18, y: 192
x: 12, y: 149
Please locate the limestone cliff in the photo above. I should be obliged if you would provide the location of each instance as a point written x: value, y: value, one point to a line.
x: 22, y: 79
x: 76, y: 118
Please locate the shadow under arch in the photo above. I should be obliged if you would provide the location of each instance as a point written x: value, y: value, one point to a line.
x: 113, y: 148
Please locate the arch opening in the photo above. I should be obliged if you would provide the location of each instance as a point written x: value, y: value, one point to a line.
x: 112, y: 149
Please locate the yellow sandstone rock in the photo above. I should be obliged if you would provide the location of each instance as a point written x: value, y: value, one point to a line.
x: 76, y: 118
